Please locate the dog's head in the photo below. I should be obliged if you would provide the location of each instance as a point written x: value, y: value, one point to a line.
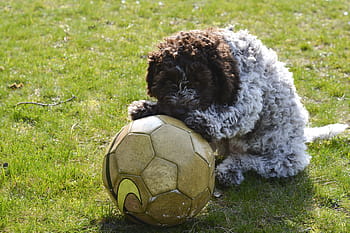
x: 192, y: 70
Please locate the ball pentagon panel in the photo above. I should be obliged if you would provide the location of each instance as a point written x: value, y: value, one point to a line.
x: 172, y: 143
x: 146, y: 125
x: 160, y: 176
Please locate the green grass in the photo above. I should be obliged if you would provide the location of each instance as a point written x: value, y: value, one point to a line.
x: 96, y: 50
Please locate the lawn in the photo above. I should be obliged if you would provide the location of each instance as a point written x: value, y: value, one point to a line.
x: 96, y: 51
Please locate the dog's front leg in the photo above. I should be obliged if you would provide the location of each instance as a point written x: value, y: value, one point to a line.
x: 202, y: 125
x: 215, y: 123
x: 221, y: 121
x: 142, y: 108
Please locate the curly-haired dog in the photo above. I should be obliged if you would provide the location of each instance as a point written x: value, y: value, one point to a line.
x: 231, y: 89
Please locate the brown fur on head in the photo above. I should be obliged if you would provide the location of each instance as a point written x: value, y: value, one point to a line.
x: 200, y: 61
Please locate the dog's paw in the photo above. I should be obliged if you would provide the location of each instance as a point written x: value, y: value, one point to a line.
x: 227, y: 177
x: 200, y: 125
x: 142, y: 108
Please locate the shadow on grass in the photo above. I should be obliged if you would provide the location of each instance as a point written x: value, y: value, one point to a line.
x: 257, y: 205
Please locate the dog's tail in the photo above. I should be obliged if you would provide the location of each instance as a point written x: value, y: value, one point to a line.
x: 324, y: 132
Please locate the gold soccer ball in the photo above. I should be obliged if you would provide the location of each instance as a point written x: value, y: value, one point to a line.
x: 158, y: 171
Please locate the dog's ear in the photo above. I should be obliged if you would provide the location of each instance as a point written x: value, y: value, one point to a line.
x: 225, y: 74
x: 227, y: 87
x: 162, y: 75
x: 151, y: 71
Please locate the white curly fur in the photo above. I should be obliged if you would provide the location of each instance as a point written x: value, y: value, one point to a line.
x: 267, y: 97
x: 264, y: 130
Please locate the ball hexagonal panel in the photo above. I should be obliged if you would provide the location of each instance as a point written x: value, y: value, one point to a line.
x: 123, y: 197
x: 200, y: 201
x: 202, y: 148
x: 143, y: 193
x: 135, y: 149
x: 160, y: 176
x: 170, y: 208
x: 194, y: 171
x: 119, y: 137
x: 212, y: 179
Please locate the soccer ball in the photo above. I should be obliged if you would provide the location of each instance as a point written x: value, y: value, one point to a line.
x: 158, y: 171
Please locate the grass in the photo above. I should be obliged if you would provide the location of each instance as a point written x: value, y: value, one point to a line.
x: 51, y: 157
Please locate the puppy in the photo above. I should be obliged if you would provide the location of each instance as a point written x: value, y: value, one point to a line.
x: 231, y: 89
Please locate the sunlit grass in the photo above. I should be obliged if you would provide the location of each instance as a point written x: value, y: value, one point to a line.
x: 96, y: 51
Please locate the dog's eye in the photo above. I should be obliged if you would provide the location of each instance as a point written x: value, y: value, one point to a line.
x: 171, y: 75
x: 166, y: 79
